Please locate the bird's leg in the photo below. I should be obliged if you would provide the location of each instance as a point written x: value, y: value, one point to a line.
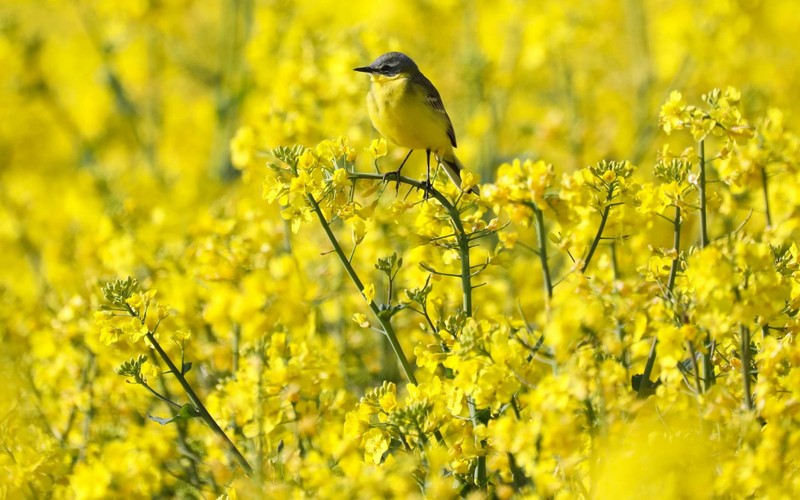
x: 396, y: 173
x: 428, y: 184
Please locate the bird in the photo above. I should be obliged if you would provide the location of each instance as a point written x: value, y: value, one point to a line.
x: 405, y: 107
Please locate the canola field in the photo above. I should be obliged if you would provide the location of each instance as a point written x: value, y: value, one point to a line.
x: 209, y: 289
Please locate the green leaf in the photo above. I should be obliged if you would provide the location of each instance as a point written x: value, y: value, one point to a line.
x: 186, y: 412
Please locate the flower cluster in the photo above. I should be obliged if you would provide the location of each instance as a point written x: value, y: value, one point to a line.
x: 128, y: 312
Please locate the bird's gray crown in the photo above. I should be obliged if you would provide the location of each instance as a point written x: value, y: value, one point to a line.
x: 390, y: 64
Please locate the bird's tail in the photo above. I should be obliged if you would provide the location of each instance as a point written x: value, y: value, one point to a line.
x: 453, y: 167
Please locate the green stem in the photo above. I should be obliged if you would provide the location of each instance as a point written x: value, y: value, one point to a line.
x: 708, y: 367
x: 466, y: 276
x: 190, y: 465
x: 676, y: 247
x: 644, y: 384
x: 695, y: 368
x: 87, y: 377
x: 480, y: 469
x: 673, y: 272
x: 466, y: 271
x: 455, y: 216
x: 599, y: 234
x: 542, y: 237
x: 744, y: 333
x: 702, y: 188
x: 157, y: 394
x: 385, y: 324
x: 766, y: 196
x: 237, y: 336
x: 614, y: 262
x: 201, y: 409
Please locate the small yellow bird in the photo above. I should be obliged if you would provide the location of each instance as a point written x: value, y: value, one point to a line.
x: 407, y: 109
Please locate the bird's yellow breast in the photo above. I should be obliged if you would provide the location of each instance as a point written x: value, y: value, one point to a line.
x: 398, y: 109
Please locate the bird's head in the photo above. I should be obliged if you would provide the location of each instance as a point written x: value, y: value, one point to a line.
x: 389, y: 66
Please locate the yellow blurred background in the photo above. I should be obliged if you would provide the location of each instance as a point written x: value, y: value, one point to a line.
x: 116, y: 120
x: 102, y: 102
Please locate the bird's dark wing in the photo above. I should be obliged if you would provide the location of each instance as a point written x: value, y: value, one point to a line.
x: 434, y: 100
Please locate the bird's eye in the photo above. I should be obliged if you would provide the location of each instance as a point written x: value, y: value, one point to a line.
x: 385, y: 68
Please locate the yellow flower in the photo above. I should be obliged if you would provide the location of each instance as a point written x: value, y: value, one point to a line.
x: 181, y: 335
x: 242, y: 147
x: 307, y: 160
x: 359, y: 229
x: 378, y: 147
x: 468, y: 180
x: 361, y: 320
x: 375, y: 445
x: 369, y: 293
x: 162, y: 311
x: 673, y: 113
x: 340, y: 179
x: 137, y: 330
x: 274, y: 189
x: 110, y: 334
x: 508, y: 239
x: 136, y: 301
x: 388, y: 402
x: 151, y: 322
x: 150, y: 371
x: 297, y: 216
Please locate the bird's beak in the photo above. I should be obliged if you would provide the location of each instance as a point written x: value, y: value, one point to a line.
x: 365, y: 69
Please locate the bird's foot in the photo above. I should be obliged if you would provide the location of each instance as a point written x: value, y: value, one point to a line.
x: 393, y: 175
x: 427, y: 186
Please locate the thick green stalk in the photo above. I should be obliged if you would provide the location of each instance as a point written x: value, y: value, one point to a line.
x: 673, y: 272
x: 200, y: 407
x: 599, y: 234
x: 744, y: 332
x: 644, y: 383
x: 542, y: 238
x: 466, y: 272
x: 702, y: 189
x: 766, y: 196
x: 708, y: 367
x: 466, y: 278
x: 237, y: 337
x: 699, y: 385
x: 676, y: 247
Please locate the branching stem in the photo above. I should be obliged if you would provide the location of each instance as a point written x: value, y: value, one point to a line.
x: 385, y: 323
x: 599, y: 234
x: 200, y: 407
x: 463, y: 241
x: 461, y: 236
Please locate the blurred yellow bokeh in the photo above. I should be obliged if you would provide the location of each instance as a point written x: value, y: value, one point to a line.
x: 139, y: 139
